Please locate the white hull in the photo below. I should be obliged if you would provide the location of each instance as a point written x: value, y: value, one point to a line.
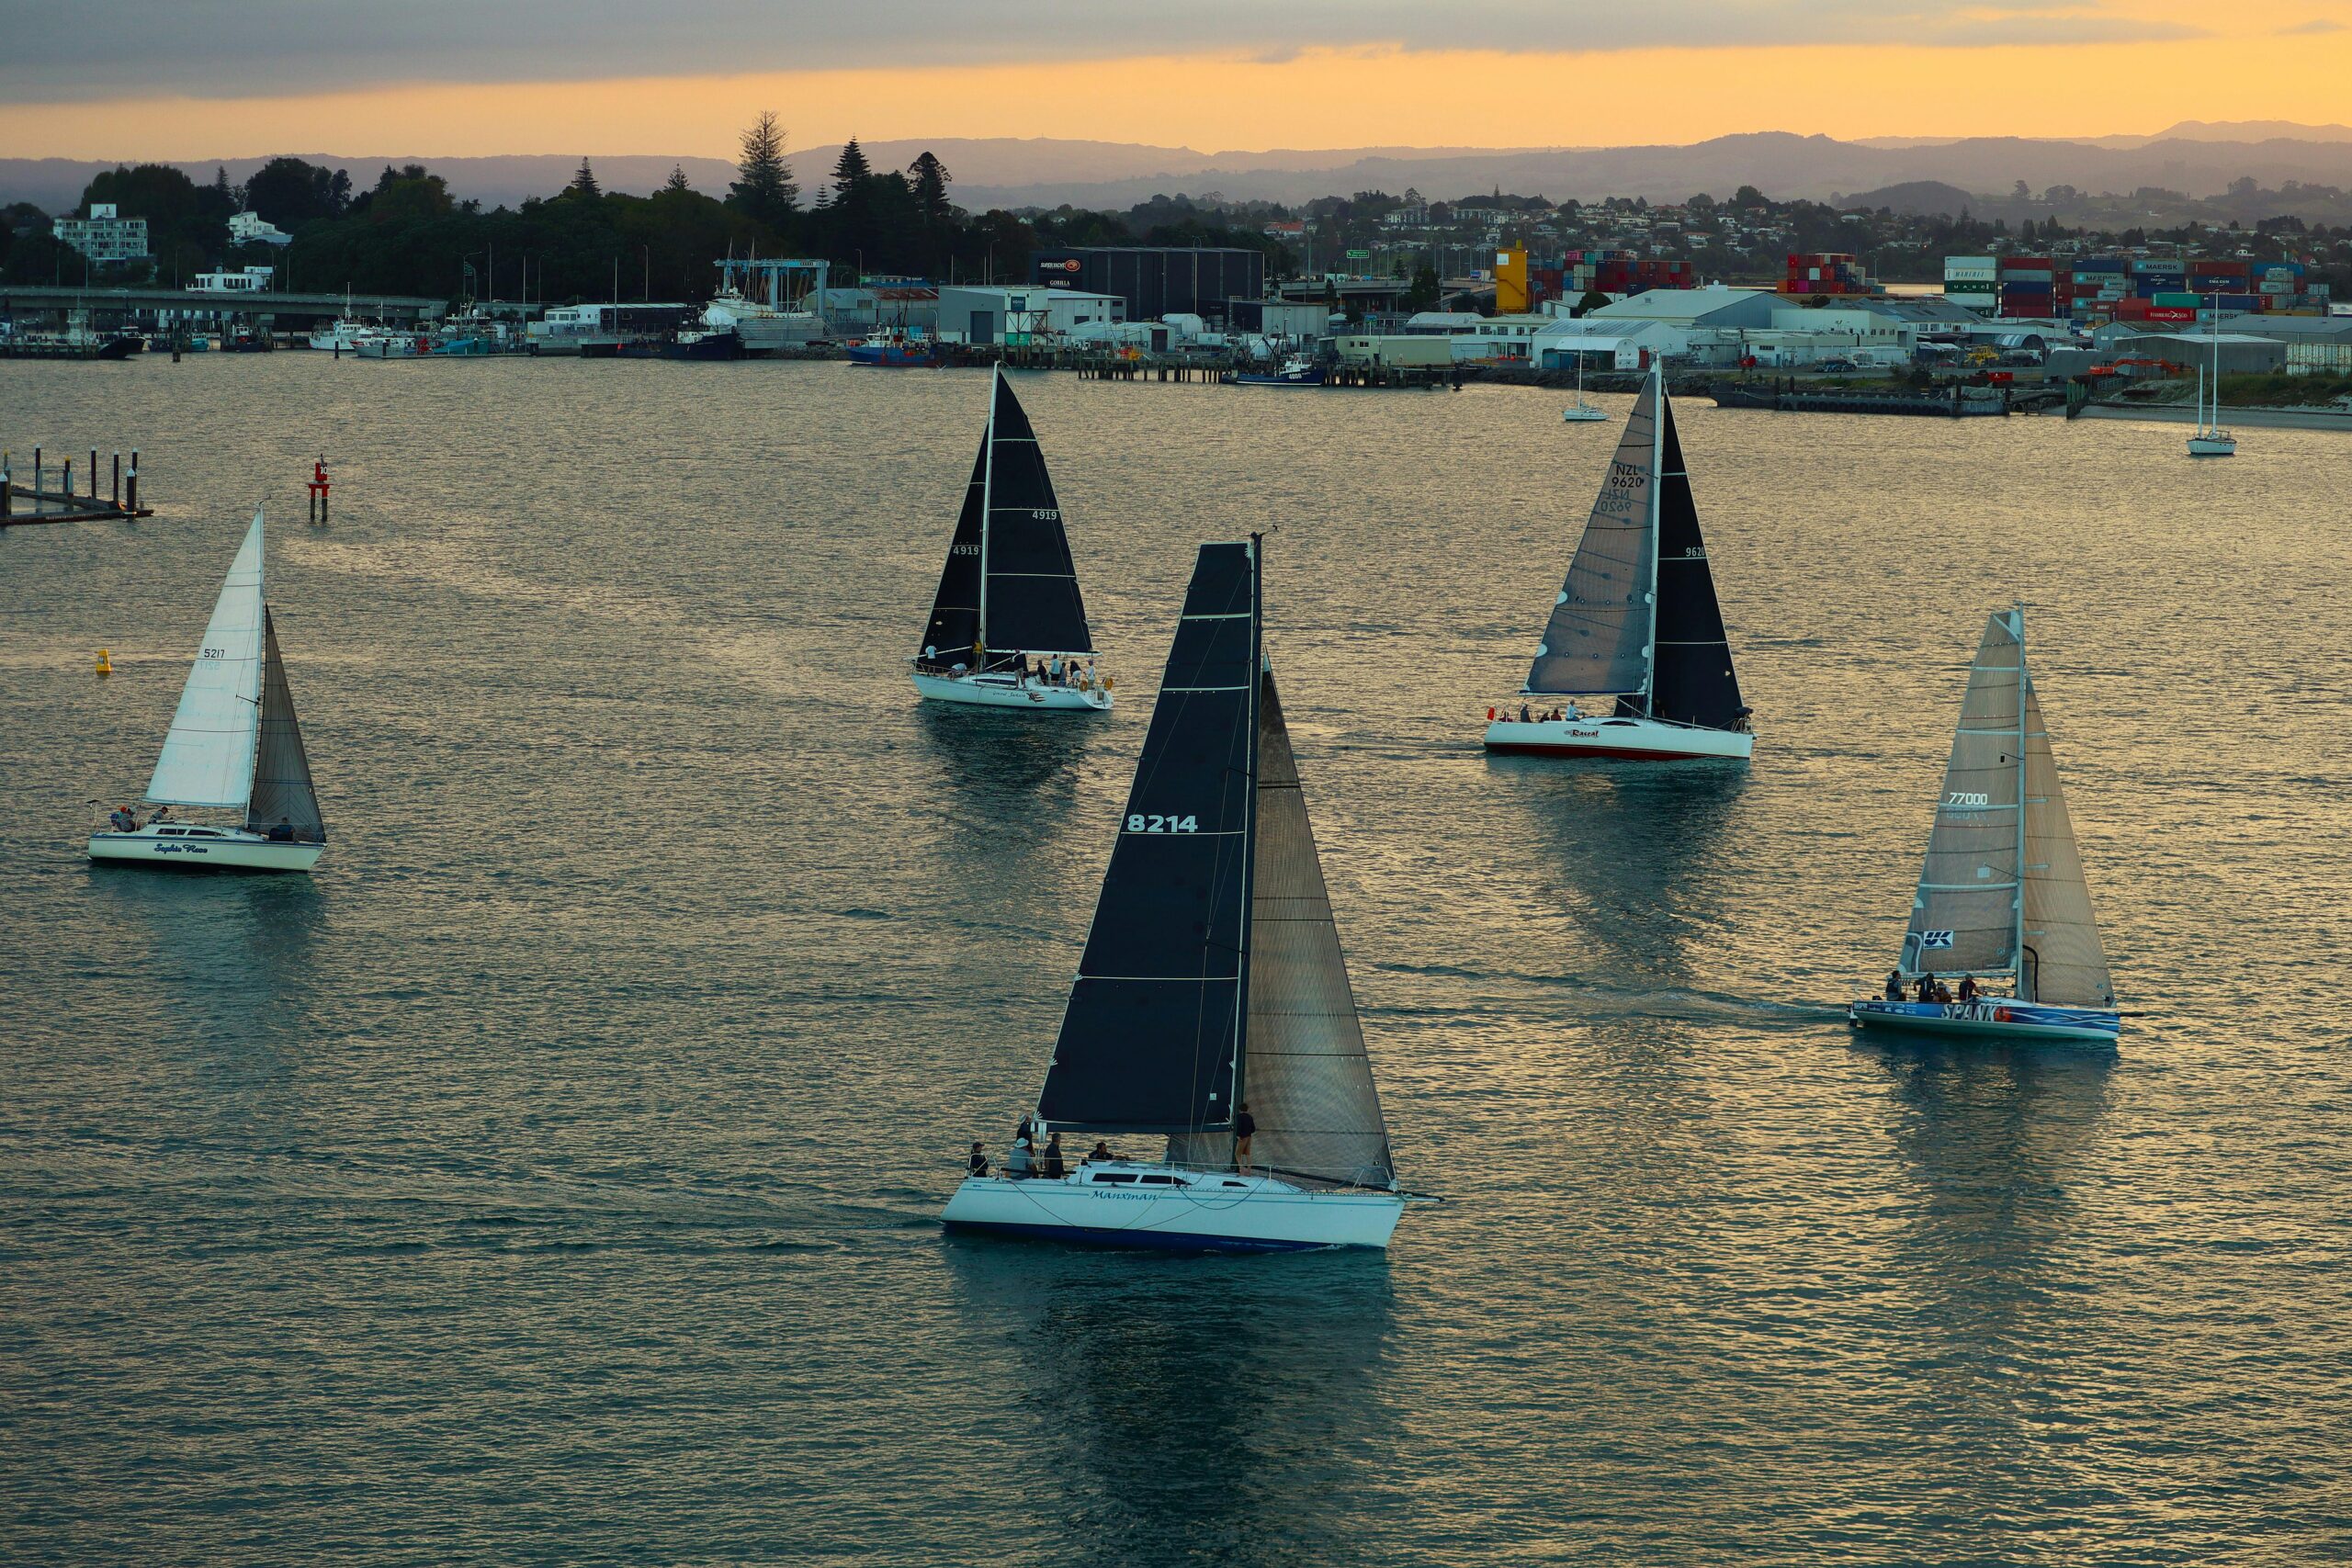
x: 177, y: 847
x: 2212, y: 445
x: 1006, y: 692
x: 1127, y: 1204
x: 1622, y: 739
x: 1583, y: 413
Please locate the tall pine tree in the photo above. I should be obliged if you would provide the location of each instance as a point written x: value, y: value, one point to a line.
x: 850, y: 171
x: 582, y: 183
x: 677, y: 180
x: 762, y: 188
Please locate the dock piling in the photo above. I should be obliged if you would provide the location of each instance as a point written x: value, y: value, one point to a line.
x: 118, y: 479
x: 131, y: 499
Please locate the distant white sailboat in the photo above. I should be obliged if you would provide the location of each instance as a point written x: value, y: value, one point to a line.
x: 1581, y: 411
x: 2211, y: 440
x: 234, y: 745
x: 1211, y: 1002
x: 2002, y: 896
x: 1008, y: 627
x: 1636, y: 630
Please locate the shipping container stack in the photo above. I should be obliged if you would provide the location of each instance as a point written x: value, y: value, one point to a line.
x: 1826, y: 273
x: 1622, y: 272
x: 2029, y: 290
x: 2162, y: 290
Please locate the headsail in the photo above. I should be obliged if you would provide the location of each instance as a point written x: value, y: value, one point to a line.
x: 208, y: 757
x: 1150, y: 1037
x: 1304, y: 1071
x: 1691, y: 679
x: 955, y: 625
x: 1598, y: 639
x: 1029, y: 595
x: 2064, y: 961
x: 1964, y: 916
x: 282, y: 791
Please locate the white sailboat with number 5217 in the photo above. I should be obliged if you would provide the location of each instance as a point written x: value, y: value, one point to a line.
x: 233, y: 746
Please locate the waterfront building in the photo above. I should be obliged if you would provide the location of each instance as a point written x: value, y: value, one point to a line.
x: 1156, y: 280
x: 244, y: 280
x: 252, y: 229
x: 1009, y: 315
x: 104, y: 236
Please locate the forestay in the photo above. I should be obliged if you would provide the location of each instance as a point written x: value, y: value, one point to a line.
x: 1029, y: 596
x: 207, y: 756
x: 282, y: 791
x: 1692, y: 680
x: 2064, y: 960
x: 1964, y: 916
x: 1305, y: 1074
x: 1148, y: 1040
x: 1598, y: 639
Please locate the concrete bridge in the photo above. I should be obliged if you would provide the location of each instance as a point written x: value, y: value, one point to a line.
x: 126, y: 306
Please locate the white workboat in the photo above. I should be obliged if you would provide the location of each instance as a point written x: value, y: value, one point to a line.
x: 234, y: 745
x: 1212, y: 985
x: 1008, y: 627
x: 1634, y: 665
x: 2002, y: 902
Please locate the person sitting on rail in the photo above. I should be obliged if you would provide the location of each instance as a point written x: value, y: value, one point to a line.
x: 1895, y: 985
x: 1968, y: 991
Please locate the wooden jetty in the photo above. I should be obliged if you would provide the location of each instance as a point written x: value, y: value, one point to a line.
x: 1789, y: 399
x: 51, y: 498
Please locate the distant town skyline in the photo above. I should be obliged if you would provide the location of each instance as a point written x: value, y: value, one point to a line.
x: 441, y: 78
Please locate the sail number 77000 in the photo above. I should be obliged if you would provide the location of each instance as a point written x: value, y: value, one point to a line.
x: 1140, y: 824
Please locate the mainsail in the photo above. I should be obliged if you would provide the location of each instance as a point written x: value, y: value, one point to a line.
x: 1149, y: 1039
x: 954, y: 627
x: 1029, y: 600
x: 1964, y: 917
x: 1305, y: 1074
x: 1598, y: 639
x: 282, y: 791
x: 2064, y: 961
x: 1691, y: 679
x: 207, y: 756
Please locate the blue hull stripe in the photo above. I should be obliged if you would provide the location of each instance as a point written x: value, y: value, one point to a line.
x: 1156, y: 1240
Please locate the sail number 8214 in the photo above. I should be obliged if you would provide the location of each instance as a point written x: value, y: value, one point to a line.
x: 1140, y: 824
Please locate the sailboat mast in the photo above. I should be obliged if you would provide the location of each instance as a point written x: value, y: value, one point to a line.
x: 988, y: 486
x: 1657, y: 487
x: 1249, y: 820
x: 2017, y: 894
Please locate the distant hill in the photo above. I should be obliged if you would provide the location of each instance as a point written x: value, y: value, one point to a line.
x: 1920, y: 199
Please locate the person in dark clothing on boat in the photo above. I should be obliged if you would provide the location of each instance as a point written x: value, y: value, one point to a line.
x: 1927, y: 989
x: 283, y: 833
x: 1968, y: 991
x: 1245, y: 1127
x: 1054, y: 1168
x: 1101, y: 1152
x: 121, y: 820
x: 1027, y: 1132
x: 978, y: 1164
x: 1522, y: 715
x: 1895, y: 985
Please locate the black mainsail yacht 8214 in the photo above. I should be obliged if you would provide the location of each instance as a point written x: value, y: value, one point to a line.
x: 1008, y: 628
x: 1212, y: 1008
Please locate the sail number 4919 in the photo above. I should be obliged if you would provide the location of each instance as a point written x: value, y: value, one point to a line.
x: 1163, y: 824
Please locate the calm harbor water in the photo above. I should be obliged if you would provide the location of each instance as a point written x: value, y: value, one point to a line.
x: 553, y: 1178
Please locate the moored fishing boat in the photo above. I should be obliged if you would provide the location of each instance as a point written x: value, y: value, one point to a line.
x: 1212, y: 1007
x: 1008, y: 627
x: 1635, y: 631
x: 234, y: 745
x: 2002, y: 899
x: 1295, y: 371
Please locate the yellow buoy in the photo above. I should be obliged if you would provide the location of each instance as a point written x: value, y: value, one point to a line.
x: 104, y: 667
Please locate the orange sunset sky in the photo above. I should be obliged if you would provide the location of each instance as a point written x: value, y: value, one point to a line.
x: 436, y: 78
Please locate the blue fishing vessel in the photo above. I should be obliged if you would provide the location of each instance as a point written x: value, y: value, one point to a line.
x: 2002, y: 910
x: 1294, y: 373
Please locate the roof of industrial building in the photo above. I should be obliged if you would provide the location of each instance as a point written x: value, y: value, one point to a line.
x: 1678, y: 305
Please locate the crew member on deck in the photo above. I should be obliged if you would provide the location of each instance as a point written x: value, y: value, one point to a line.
x: 1895, y: 985
x: 1245, y: 1127
x: 1054, y: 1169
x: 978, y: 1164
x: 1968, y: 991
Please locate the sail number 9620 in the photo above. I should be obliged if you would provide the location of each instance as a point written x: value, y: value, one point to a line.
x: 1163, y: 824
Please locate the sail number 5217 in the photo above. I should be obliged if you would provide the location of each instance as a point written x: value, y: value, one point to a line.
x: 1163, y: 824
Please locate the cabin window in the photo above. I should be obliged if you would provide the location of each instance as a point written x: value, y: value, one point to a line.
x: 1107, y: 1177
x: 1231, y: 1183
x: 169, y: 832
x: 1159, y: 1181
x: 202, y: 833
